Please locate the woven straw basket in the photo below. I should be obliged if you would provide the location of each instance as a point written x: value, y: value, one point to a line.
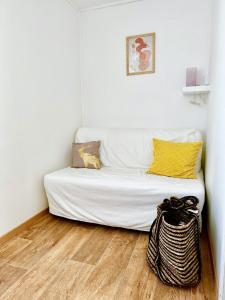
x: 173, y: 251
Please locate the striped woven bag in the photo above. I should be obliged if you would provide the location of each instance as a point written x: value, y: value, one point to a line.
x: 173, y: 251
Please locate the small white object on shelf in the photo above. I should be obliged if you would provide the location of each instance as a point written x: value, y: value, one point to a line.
x: 196, y: 90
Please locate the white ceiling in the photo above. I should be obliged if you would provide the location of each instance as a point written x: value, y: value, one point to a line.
x: 94, y: 4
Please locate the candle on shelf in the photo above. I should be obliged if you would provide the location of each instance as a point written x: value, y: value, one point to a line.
x: 191, y: 76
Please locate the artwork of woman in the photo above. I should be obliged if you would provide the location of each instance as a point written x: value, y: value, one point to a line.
x: 141, y: 54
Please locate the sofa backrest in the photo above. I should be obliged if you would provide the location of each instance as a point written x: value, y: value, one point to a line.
x: 132, y: 148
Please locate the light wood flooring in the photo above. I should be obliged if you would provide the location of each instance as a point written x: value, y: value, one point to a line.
x: 58, y: 259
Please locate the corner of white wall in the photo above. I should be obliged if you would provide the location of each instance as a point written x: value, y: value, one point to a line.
x: 40, y: 101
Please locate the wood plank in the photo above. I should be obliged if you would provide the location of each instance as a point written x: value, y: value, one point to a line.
x: 13, y: 247
x: 35, y: 282
x: 164, y: 292
x: 8, y: 276
x: 22, y: 227
x: 106, y: 277
x: 185, y: 294
x: 91, y: 251
x: 207, y: 287
x: 69, y: 278
x: 138, y: 281
x: 48, y: 295
x: 34, y: 231
x: 47, y: 239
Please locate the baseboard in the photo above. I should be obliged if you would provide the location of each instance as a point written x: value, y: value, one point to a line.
x: 22, y: 226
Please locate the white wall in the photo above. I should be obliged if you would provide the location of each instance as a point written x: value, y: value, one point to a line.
x: 215, y: 159
x: 182, y: 39
x: 39, y: 100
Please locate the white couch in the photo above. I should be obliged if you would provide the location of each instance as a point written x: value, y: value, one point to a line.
x: 120, y: 193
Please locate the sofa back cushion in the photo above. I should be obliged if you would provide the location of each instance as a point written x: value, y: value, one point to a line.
x: 132, y: 148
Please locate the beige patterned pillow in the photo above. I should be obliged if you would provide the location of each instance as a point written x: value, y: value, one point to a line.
x: 86, y: 155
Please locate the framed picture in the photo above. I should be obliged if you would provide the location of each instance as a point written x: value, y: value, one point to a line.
x: 140, y: 51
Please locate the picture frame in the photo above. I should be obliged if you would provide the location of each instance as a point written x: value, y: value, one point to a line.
x: 140, y: 54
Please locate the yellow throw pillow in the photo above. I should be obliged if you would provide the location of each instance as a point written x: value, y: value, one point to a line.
x: 174, y: 159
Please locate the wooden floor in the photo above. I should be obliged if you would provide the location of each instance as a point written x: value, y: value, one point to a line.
x: 61, y: 259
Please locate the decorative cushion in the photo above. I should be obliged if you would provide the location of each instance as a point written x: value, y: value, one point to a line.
x: 175, y: 159
x: 86, y: 155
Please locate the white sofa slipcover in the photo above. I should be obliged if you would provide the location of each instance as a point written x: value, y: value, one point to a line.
x: 120, y: 194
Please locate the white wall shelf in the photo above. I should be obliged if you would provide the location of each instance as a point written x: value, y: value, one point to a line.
x: 196, y: 90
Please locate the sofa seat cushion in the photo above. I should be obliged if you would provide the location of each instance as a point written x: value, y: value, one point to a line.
x: 120, y: 197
